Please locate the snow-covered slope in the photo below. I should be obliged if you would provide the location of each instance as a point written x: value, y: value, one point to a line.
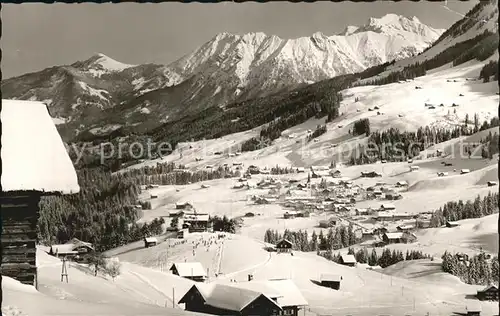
x: 100, y: 92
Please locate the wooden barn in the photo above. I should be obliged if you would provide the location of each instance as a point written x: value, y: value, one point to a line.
x: 150, y: 242
x: 330, y: 280
x: 190, y: 270
x: 34, y: 164
x: 489, y: 293
x: 73, y: 249
x: 451, y: 224
x: 284, y: 246
x: 348, y: 260
x: 268, y: 297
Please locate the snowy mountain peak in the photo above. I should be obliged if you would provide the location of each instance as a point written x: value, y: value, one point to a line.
x: 350, y: 29
x: 100, y: 64
x: 393, y: 23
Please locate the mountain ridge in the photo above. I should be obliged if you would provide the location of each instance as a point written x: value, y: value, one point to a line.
x: 228, y: 68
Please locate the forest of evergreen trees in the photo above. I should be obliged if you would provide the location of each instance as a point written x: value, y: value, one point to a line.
x: 328, y: 105
x: 455, y: 211
x: 171, y: 174
x: 477, y: 269
x: 394, y: 145
x: 488, y: 70
x: 387, y: 258
x: 320, y: 130
x: 103, y: 213
x: 490, y: 145
x: 361, y: 127
x: 336, y: 238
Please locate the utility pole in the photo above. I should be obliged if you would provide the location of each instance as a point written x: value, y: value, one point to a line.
x: 64, y: 270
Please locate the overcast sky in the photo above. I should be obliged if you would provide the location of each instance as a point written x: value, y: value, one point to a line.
x: 36, y: 36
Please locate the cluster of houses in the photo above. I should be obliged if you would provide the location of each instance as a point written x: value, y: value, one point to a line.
x: 190, y: 220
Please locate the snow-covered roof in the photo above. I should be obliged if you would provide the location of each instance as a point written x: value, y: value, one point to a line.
x: 387, y: 206
x: 330, y: 277
x: 196, y: 218
x: 394, y: 235
x: 33, y: 153
x: 464, y: 170
x: 284, y: 290
x: 348, y: 259
x: 229, y: 297
x: 187, y: 269
x: 150, y: 239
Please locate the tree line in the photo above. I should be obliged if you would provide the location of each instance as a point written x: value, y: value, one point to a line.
x: 458, y: 210
x: 336, y: 238
x: 361, y: 127
x: 103, y: 213
x: 387, y: 258
x: 477, y: 269
x: 394, y: 145
x: 488, y: 70
x: 490, y: 145
x: 320, y: 130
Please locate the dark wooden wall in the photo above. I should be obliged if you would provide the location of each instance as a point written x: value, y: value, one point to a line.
x: 19, y: 216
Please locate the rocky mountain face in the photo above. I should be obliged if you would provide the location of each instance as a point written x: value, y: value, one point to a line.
x: 100, y: 94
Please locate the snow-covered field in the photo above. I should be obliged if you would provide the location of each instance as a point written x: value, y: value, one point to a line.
x: 402, y: 106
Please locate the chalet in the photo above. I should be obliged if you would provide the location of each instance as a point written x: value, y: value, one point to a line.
x: 398, y: 238
x: 72, y: 249
x: 491, y: 183
x: 150, y: 242
x: 405, y: 228
x: 348, y: 260
x: 464, y: 171
x: 370, y: 174
x: 489, y: 293
x: 410, y: 160
x: 335, y: 173
x: 35, y: 163
x: 330, y: 280
x: 319, y: 174
x: 196, y: 222
x: 269, y: 297
x: 473, y: 309
x: 300, y: 170
x: 451, y: 224
x: 393, y: 238
x: 414, y: 168
x: 387, y: 207
x: 154, y: 196
x: 205, y: 186
x: 253, y: 169
x: 237, y: 164
x: 190, y: 270
x: 362, y: 211
x: 400, y: 184
x: 183, y: 205
x: 284, y: 246
x: 290, y: 214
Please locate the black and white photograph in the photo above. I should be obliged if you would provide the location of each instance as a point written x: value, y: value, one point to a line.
x: 250, y: 158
